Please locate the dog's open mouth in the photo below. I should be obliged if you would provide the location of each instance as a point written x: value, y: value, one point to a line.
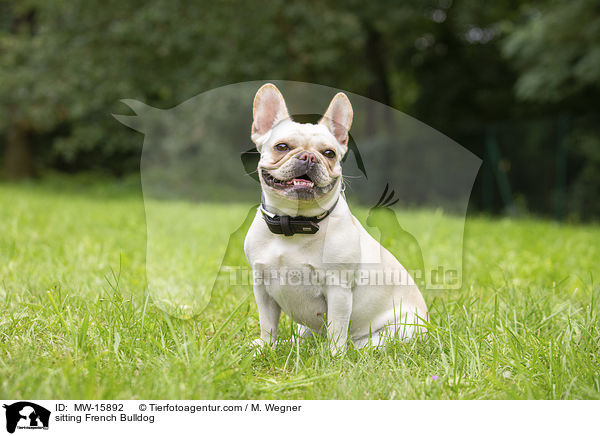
x: 302, y: 181
x: 301, y: 187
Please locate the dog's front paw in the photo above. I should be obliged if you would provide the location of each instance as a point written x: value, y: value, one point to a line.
x: 337, y: 348
x: 259, y: 344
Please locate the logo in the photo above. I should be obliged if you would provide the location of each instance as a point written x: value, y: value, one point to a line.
x: 26, y: 415
x: 212, y: 131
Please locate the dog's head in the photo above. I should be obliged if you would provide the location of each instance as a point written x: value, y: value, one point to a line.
x: 299, y: 162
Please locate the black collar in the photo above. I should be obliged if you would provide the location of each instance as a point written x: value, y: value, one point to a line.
x: 291, y: 225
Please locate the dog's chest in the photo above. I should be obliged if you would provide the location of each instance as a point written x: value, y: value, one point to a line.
x: 296, y: 271
x: 304, y: 302
x: 292, y: 272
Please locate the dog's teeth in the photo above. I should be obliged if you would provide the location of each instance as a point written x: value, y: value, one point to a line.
x: 302, y: 182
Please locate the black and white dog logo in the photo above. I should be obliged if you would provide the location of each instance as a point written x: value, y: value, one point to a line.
x: 26, y: 415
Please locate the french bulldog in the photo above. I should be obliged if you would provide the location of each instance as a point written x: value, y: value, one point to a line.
x: 309, y: 255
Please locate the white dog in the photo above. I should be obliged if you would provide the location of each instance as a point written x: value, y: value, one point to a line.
x: 309, y: 255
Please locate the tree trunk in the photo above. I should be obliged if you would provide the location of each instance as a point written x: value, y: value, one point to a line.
x: 18, y: 162
x: 379, y: 88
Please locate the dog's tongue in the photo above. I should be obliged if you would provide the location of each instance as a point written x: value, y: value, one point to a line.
x: 301, y: 182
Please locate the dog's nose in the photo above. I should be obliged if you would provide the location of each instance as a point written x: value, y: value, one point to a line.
x: 307, y: 156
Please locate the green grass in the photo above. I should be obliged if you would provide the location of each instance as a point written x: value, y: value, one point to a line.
x: 77, y: 321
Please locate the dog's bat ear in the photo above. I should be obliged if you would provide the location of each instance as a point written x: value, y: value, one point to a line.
x: 338, y: 118
x: 269, y: 109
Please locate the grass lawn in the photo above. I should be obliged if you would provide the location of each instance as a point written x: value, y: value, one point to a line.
x: 77, y: 321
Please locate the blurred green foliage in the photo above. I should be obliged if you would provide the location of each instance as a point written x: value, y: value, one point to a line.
x: 466, y: 68
x: 557, y: 50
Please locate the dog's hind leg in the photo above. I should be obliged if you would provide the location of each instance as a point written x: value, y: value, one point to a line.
x: 400, y: 331
x: 376, y: 339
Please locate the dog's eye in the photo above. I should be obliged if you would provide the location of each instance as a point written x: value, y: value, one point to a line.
x: 329, y: 154
x: 282, y: 147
